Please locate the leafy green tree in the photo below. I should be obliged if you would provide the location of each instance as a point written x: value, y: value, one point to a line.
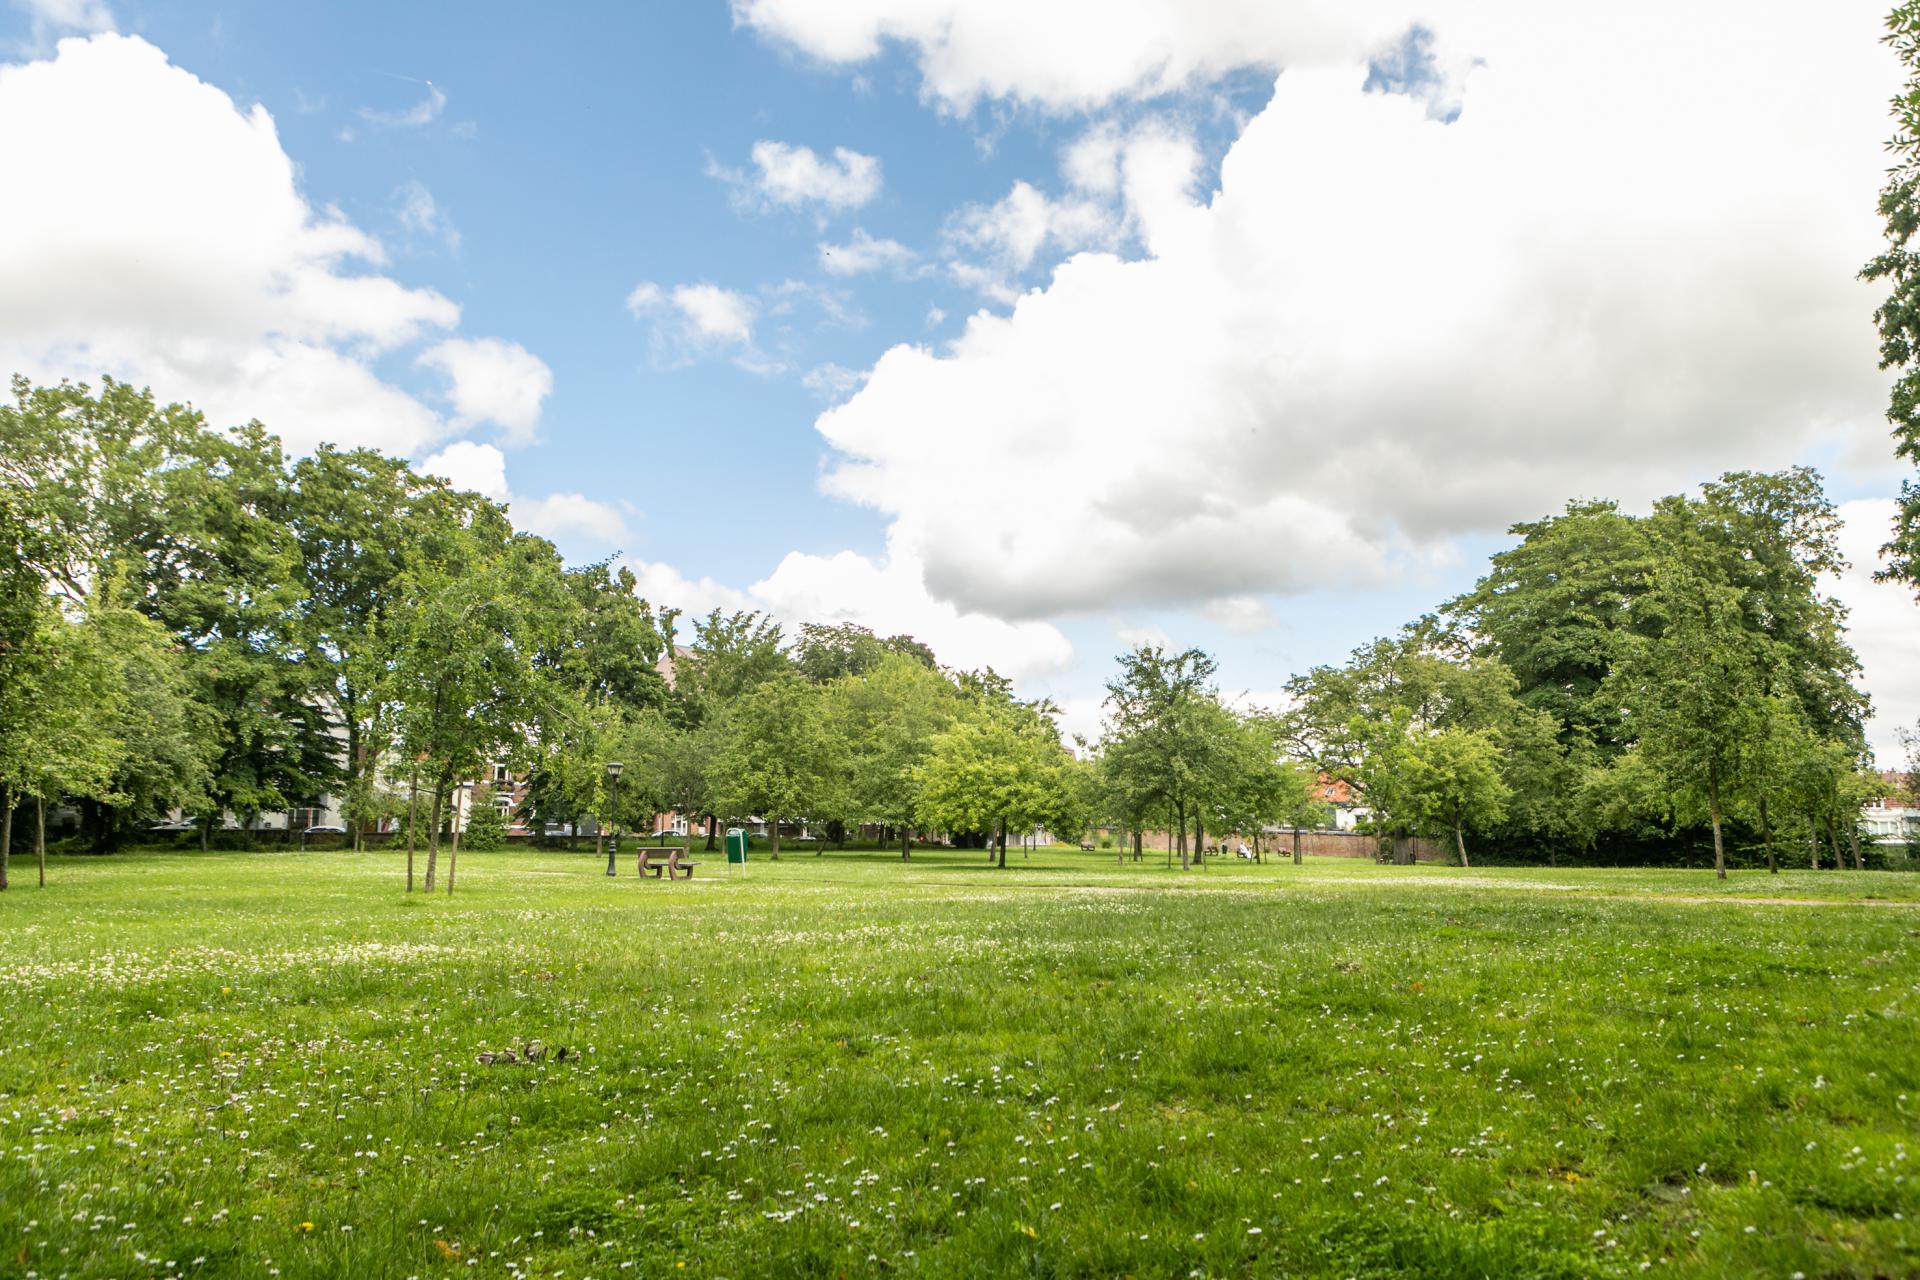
x: 777, y: 757
x: 358, y: 520
x: 886, y: 717
x: 997, y: 767
x: 1899, y: 267
x: 1450, y: 779
x: 1698, y: 694
x: 1551, y: 610
x: 1168, y: 744
x: 823, y: 653
x: 57, y: 709
x: 731, y: 655
x: 486, y: 826
x: 464, y: 648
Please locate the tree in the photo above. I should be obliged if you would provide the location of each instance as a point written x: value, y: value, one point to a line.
x: 776, y: 757
x: 1551, y: 610
x: 1451, y: 779
x: 57, y: 708
x: 887, y: 717
x: 1697, y: 695
x: 1168, y: 744
x: 1899, y: 316
x: 731, y: 654
x: 998, y: 767
x: 464, y: 648
x: 486, y: 827
x: 359, y: 521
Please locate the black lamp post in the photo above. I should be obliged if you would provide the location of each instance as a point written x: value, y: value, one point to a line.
x: 613, y: 846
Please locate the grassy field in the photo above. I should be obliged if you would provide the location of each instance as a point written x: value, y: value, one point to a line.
x: 265, y: 1064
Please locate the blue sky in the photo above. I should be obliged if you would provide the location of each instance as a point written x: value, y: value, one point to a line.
x: 1209, y: 329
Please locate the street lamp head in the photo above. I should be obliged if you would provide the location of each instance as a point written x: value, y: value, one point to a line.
x: 613, y: 768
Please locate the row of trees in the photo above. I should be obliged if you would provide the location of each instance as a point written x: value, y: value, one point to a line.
x: 190, y: 622
x: 1616, y: 677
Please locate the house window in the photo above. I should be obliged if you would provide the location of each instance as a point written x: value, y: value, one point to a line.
x: 504, y: 804
x: 500, y: 773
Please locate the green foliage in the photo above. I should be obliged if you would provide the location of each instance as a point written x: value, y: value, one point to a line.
x: 1000, y: 768
x: 486, y: 828
x: 775, y: 756
x: 1899, y: 267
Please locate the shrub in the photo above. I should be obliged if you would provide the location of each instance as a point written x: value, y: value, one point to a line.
x: 486, y: 828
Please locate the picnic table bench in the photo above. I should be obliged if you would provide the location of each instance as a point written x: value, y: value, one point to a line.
x: 675, y: 869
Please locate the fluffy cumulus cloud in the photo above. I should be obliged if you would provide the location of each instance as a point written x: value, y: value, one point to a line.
x: 1885, y: 625
x: 1625, y: 264
x: 490, y: 380
x: 697, y: 314
x: 887, y: 594
x: 863, y: 252
x: 1078, y: 54
x: 792, y: 177
x: 219, y: 283
x: 572, y: 519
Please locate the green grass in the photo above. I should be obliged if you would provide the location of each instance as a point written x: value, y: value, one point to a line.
x: 261, y: 1064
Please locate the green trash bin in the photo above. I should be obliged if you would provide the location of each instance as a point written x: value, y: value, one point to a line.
x: 736, y: 845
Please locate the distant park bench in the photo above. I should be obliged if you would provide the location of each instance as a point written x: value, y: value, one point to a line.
x: 650, y: 860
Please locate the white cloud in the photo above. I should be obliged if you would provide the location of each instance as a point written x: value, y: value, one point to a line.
x: 1119, y: 184
x: 790, y: 176
x: 863, y: 253
x: 1079, y: 54
x: 1884, y: 626
x: 1241, y: 614
x: 162, y: 239
x: 564, y: 517
x: 467, y: 464
x: 420, y: 215
x: 52, y: 16
x: 888, y: 594
x: 665, y: 586
x: 830, y: 381
x: 491, y: 380
x: 702, y: 313
x: 1383, y: 331
x: 417, y: 116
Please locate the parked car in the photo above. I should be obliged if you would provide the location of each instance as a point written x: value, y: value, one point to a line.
x: 160, y: 828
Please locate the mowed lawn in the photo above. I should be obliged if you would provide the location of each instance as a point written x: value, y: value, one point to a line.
x: 265, y: 1064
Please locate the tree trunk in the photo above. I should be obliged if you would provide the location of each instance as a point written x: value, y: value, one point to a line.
x: 906, y: 844
x: 712, y: 821
x: 1136, y: 846
x: 1296, y: 846
x: 1003, y: 844
x: 1199, y: 840
x: 1833, y: 842
x: 453, y: 854
x: 1256, y: 845
x: 206, y: 833
x: 433, y: 834
x: 773, y: 825
x: 356, y: 767
x: 413, y: 818
x: 1460, y: 842
x: 1813, y: 843
x: 1719, y: 850
x: 6, y: 833
x: 1766, y: 837
x: 1853, y: 838
x: 1180, y: 820
x: 40, y: 837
